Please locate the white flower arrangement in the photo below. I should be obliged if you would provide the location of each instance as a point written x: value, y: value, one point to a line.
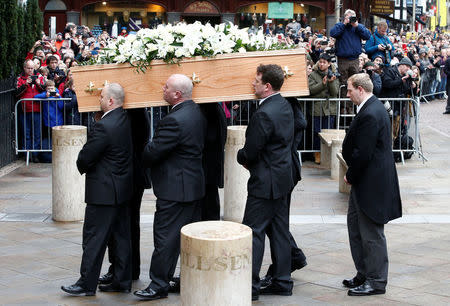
x: 171, y: 43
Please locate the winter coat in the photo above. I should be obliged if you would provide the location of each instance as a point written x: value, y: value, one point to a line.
x: 348, y: 39
x: 25, y: 90
x: 52, y: 110
x: 372, y: 46
x: 318, y: 90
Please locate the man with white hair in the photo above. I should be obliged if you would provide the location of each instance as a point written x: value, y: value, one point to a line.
x: 348, y: 35
x: 106, y: 158
x: 175, y: 158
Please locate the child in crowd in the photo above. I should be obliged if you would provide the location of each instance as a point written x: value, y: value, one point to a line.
x: 72, y: 116
x: 52, y: 115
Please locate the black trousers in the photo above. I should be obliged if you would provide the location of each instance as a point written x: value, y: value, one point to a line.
x: 135, y: 235
x: 210, y: 204
x: 101, y: 224
x: 270, y: 217
x: 367, y: 245
x: 170, y: 217
x: 297, y: 255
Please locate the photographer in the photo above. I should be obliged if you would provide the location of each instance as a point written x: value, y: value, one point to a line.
x: 398, y: 83
x: 349, y: 34
x: 380, y: 44
x: 323, y: 83
x: 27, y: 86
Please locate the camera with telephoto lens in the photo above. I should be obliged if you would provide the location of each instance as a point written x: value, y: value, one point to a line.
x: 388, y: 108
x: 353, y: 19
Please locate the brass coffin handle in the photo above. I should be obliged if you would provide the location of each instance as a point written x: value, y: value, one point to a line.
x: 91, y: 89
x: 287, y: 72
x: 195, y: 79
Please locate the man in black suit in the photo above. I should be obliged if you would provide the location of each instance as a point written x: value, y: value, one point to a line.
x: 298, y: 258
x: 267, y: 154
x: 140, y: 129
x: 213, y: 159
x: 106, y: 159
x: 175, y: 159
x: 375, y: 194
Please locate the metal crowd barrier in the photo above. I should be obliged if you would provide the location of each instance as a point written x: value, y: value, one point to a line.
x: 341, y: 111
x: 38, y: 139
x: 424, y: 96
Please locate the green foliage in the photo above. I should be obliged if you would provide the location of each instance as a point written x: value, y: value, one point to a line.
x: 21, y: 27
x: 3, y: 40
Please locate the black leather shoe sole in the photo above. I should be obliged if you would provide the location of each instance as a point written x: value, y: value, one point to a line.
x: 366, y: 293
x: 149, y: 297
x: 82, y: 293
x: 255, y: 297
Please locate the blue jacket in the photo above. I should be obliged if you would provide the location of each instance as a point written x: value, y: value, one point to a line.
x: 348, y: 39
x: 52, y: 110
x: 372, y: 46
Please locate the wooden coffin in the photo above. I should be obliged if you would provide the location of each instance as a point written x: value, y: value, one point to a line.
x: 226, y: 77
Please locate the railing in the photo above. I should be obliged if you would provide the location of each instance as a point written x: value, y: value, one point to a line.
x: 319, y: 113
x: 32, y: 136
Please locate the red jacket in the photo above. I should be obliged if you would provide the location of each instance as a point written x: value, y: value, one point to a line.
x: 25, y: 90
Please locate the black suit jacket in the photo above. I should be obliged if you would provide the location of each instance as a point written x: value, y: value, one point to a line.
x: 216, y: 136
x: 367, y: 149
x: 107, y: 160
x: 267, y: 152
x: 175, y: 154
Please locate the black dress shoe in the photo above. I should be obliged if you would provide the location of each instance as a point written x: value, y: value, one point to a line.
x: 353, y: 282
x: 150, y: 294
x: 105, y: 278
x: 255, y: 296
x: 275, y: 289
x: 111, y: 288
x: 446, y: 112
x: 266, y: 281
x: 174, y: 285
x: 365, y: 289
x: 298, y: 265
x: 77, y: 290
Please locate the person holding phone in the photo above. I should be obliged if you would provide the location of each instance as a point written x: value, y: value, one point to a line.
x: 348, y: 35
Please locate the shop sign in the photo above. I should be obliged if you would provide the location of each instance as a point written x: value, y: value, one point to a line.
x: 201, y: 7
x: 385, y: 7
x: 281, y: 10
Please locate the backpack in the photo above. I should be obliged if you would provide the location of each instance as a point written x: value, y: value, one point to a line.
x: 403, y: 142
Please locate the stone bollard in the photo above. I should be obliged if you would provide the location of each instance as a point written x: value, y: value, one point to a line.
x: 336, y: 147
x: 67, y: 183
x: 235, y: 176
x: 216, y: 264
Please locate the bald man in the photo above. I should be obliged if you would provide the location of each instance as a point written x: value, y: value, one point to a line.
x: 106, y: 158
x: 175, y: 158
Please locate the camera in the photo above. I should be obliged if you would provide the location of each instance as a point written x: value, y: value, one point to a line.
x: 330, y: 73
x: 52, y: 93
x: 33, y: 78
x: 353, y: 19
x: 324, y: 42
x: 410, y: 73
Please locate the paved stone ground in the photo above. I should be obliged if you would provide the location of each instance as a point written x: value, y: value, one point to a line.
x: 38, y: 255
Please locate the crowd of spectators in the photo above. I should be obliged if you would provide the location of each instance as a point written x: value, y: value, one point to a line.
x: 400, y: 65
